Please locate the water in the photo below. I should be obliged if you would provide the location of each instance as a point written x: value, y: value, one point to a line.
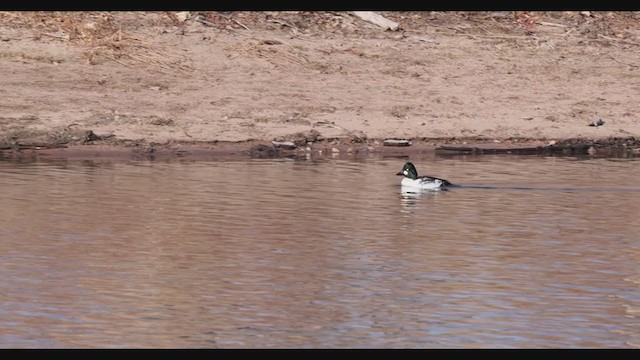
x: 534, y: 252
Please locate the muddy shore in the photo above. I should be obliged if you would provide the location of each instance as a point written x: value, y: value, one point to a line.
x: 269, y: 84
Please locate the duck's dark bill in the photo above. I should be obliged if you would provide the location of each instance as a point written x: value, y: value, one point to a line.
x: 400, y: 173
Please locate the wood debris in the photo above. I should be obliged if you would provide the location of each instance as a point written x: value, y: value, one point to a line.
x: 377, y: 19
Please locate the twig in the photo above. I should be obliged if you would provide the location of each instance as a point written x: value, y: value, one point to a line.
x: 204, y: 22
x: 237, y: 22
x: 241, y: 24
x: 485, y: 30
x: 119, y: 61
x: 569, y: 31
x: 241, y: 53
x: 63, y: 37
x: 283, y: 23
x: 618, y: 40
x: 514, y: 37
x: 544, y: 23
x: 623, y: 63
x: 270, y: 42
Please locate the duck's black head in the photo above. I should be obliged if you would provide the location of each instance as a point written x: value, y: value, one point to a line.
x: 409, y: 171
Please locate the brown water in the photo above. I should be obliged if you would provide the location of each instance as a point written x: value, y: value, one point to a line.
x: 323, y: 254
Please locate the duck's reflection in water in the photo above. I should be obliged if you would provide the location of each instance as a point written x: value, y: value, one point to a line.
x: 412, y: 198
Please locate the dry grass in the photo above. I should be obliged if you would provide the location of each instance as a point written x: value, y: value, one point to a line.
x: 127, y: 37
x: 276, y: 51
x: 103, y: 35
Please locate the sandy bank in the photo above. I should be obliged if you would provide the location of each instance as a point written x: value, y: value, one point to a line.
x: 324, y: 80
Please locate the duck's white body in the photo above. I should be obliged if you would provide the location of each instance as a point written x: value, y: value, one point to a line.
x: 411, y: 179
x: 422, y: 183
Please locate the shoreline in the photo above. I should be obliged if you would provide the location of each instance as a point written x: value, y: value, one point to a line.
x: 334, y: 148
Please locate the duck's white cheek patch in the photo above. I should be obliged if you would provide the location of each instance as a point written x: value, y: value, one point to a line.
x: 405, y: 172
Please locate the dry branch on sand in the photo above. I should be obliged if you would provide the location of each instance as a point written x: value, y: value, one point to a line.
x: 377, y: 19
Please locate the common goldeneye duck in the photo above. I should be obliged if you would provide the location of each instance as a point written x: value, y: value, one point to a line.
x: 411, y: 179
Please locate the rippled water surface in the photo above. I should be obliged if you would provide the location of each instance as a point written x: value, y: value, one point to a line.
x: 533, y: 252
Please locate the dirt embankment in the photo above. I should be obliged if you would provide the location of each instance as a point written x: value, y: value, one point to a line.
x: 148, y: 82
